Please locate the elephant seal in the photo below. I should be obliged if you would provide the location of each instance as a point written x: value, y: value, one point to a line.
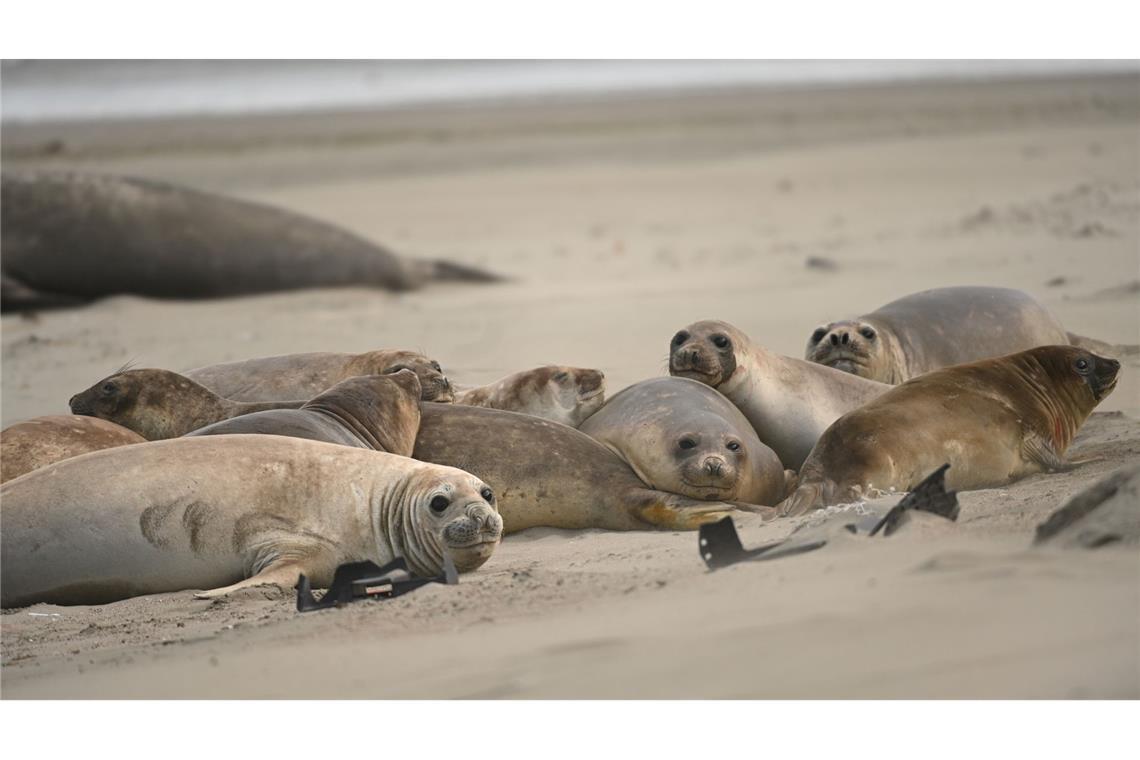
x: 293, y: 376
x: 158, y: 403
x: 38, y: 442
x: 994, y: 421
x: 789, y: 402
x: 933, y: 329
x: 70, y: 238
x: 681, y: 436
x: 551, y: 475
x: 231, y: 512
x: 563, y: 394
x: 379, y: 412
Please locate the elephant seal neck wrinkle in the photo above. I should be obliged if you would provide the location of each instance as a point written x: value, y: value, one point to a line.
x: 350, y: 423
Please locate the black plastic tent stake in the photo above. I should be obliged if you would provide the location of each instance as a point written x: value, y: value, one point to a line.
x: 928, y: 496
x: 720, y: 546
x: 367, y: 580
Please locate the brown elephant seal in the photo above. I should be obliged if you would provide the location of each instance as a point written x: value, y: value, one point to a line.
x: 551, y: 475
x: 993, y: 421
x: 683, y: 437
x: 379, y: 412
x: 38, y: 442
x: 293, y: 376
x: 563, y: 394
x: 71, y: 238
x: 789, y: 402
x: 933, y: 329
x: 158, y: 403
x: 230, y: 512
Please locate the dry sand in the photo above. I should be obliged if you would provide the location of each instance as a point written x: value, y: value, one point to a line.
x: 621, y: 222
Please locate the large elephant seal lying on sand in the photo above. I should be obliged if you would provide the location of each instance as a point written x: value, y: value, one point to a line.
x: 158, y: 403
x: 69, y: 238
x: 38, y: 442
x: 563, y: 394
x: 379, y: 412
x: 994, y: 421
x: 933, y: 329
x: 548, y: 474
x: 293, y: 376
x: 789, y: 402
x: 230, y: 512
x: 681, y: 436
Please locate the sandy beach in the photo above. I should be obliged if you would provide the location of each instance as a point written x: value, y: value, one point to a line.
x: 618, y: 221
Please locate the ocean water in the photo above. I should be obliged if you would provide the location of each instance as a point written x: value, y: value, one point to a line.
x: 51, y: 90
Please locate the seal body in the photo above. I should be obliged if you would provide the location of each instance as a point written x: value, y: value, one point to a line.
x: 789, y: 402
x: 682, y: 436
x: 206, y: 513
x: 548, y: 474
x: 158, y: 403
x: 993, y: 421
x: 38, y: 442
x: 562, y: 394
x: 378, y: 412
x: 302, y: 376
x: 70, y: 238
x: 935, y: 329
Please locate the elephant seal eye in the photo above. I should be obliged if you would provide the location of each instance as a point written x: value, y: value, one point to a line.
x: 561, y: 377
x: 680, y: 338
x: 488, y: 495
x: 439, y: 504
x: 687, y: 443
x: 867, y: 333
x: 436, y: 367
x: 720, y: 341
x: 733, y: 446
x: 1082, y: 366
x: 109, y: 388
x: 817, y: 336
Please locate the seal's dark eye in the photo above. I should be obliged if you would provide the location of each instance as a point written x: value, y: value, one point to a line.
x: 439, y: 504
x: 720, y: 341
x: 561, y: 377
x: 817, y: 336
x: 109, y: 388
x: 687, y: 443
x: 488, y: 495
x: 395, y: 369
x: 1082, y: 366
x: 436, y: 367
x: 680, y: 338
x: 867, y: 333
x: 732, y: 446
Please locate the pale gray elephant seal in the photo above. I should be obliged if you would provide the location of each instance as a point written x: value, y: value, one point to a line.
x: 293, y: 376
x: 379, y: 412
x: 228, y: 512
x: 681, y: 436
x: 40, y: 441
x: 158, y: 403
x: 933, y: 329
x: 70, y: 238
x: 993, y: 421
x: 551, y: 475
x: 563, y: 394
x: 790, y: 402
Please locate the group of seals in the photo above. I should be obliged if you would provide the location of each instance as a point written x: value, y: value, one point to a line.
x: 993, y: 420
x: 230, y: 512
x: 158, y: 403
x: 563, y: 394
x: 788, y: 401
x: 933, y: 329
x: 70, y: 238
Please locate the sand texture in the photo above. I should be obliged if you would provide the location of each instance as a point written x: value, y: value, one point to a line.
x: 619, y: 223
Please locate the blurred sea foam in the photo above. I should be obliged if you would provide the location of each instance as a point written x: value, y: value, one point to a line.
x: 69, y: 90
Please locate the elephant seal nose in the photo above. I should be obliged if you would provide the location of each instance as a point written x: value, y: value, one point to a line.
x: 714, y: 465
